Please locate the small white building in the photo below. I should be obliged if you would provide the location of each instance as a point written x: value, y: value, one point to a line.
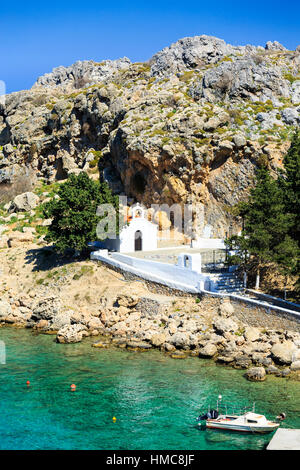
x: 139, y: 234
x: 190, y: 261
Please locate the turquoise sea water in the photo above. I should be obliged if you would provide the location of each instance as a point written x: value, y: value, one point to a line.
x: 154, y: 398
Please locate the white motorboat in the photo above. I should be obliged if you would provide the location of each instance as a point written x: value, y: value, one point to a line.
x: 242, y: 421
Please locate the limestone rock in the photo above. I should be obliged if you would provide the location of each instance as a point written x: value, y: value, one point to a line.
x: 5, y: 310
x: 17, y: 238
x: 242, y: 362
x: 25, y: 202
x: 239, y: 140
x: 290, y: 116
x: 251, y: 333
x: 163, y: 131
x: 295, y: 365
x: 60, y: 320
x: 208, y: 351
x: 158, y: 339
x: 226, y: 309
x: 274, y: 46
x: 81, y: 73
x: 283, y: 352
x: 70, y: 334
x: 256, y: 374
x: 271, y: 369
x: 46, y: 308
x: 127, y: 300
x: 180, y: 340
x: 223, y: 325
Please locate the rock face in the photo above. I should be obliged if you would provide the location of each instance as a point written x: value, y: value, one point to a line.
x: 195, y: 121
x: 82, y: 73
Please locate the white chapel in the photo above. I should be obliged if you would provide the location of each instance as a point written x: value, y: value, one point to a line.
x: 138, y: 234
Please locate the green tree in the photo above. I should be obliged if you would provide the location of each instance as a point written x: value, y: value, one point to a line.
x: 289, y: 181
x: 266, y: 224
x: 73, y: 214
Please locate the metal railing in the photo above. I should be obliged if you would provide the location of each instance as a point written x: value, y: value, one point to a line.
x: 214, y: 261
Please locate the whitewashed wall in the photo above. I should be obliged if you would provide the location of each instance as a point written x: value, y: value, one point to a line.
x: 210, y: 243
x: 149, y: 235
x: 171, y: 275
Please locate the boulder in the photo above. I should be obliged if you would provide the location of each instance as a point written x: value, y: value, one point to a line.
x: 158, y: 339
x: 42, y: 324
x: 169, y: 347
x: 225, y: 359
x: 290, y: 116
x: 94, y: 324
x: 271, y: 369
x: 16, y: 238
x: 60, y: 320
x: 180, y: 340
x: 251, y: 333
x: 70, y: 334
x: 68, y: 163
x: 209, y: 350
x: 239, y: 140
x: 46, y: 308
x: 295, y: 365
x: 226, y: 309
x: 242, y: 362
x: 283, y: 352
x: 222, y: 325
x: 5, y: 310
x: 126, y: 300
x: 284, y: 372
x: 256, y: 374
x: 25, y: 202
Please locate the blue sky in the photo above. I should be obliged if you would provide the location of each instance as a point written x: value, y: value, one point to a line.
x: 37, y: 36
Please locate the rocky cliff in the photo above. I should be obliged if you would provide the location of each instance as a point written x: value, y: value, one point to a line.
x: 195, y: 121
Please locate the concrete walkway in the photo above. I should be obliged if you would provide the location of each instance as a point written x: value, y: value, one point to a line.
x: 285, y: 439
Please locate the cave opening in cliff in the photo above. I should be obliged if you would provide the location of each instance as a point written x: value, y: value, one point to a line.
x: 138, y: 183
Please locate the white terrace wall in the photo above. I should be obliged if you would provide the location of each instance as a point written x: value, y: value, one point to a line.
x: 181, y: 279
x: 171, y: 275
x: 209, y: 243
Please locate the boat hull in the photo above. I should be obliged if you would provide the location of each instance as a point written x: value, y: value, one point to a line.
x: 241, y: 428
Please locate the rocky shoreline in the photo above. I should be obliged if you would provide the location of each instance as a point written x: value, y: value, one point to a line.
x: 179, y: 327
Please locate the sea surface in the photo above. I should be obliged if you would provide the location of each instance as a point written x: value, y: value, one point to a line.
x: 154, y: 398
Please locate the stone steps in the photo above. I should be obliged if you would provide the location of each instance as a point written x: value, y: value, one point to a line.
x: 227, y: 282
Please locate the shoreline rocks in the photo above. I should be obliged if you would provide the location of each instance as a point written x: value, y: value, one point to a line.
x: 180, y: 329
